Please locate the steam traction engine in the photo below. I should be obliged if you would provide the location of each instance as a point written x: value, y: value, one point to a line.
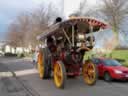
x: 65, y: 45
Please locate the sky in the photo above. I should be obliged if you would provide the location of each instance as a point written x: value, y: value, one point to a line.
x: 9, y: 9
x: 71, y: 6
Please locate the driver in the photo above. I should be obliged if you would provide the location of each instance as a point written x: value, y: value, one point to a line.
x: 83, y: 47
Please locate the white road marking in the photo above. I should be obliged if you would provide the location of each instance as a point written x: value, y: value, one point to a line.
x: 26, y: 72
x: 6, y: 74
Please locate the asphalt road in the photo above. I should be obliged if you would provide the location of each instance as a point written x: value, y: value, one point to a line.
x: 10, y: 85
x: 27, y: 76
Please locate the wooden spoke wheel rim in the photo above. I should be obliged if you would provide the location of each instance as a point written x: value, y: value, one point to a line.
x: 40, y: 65
x: 58, y: 75
x: 89, y: 73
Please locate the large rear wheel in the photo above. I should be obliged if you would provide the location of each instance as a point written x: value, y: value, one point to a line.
x: 40, y: 65
x: 59, y: 74
x: 89, y: 72
x: 44, y: 68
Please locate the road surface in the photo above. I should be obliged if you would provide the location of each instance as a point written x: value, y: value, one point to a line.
x: 28, y: 82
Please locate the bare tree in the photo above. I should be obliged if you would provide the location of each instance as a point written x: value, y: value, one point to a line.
x: 13, y: 35
x: 19, y: 27
x: 38, y: 24
x: 113, y: 12
x: 27, y: 26
x: 40, y: 20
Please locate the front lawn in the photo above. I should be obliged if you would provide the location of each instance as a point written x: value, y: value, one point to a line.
x: 121, y: 55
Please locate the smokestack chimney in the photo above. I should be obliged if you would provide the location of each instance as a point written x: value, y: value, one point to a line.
x: 58, y: 19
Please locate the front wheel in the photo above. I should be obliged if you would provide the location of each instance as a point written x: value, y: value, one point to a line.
x: 59, y: 74
x: 89, y: 71
x: 107, y: 77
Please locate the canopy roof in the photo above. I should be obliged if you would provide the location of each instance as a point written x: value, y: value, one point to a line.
x: 57, y: 29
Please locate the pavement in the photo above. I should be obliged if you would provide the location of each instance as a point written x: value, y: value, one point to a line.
x: 28, y: 82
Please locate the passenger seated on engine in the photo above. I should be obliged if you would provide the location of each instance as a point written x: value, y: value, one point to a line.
x: 51, y: 44
x: 82, y: 49
x: 60, y: 45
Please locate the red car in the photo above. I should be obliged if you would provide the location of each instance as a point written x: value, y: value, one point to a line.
x: 110, y: 69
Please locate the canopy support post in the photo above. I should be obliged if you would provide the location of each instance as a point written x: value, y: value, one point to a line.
x: 67, y: 37
x: 73, y: 31
x: 91, y: 29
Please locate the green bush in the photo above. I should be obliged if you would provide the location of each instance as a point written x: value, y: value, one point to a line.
x: 21, y: 55
x: 10, y: 54
x: 125, y: 63
x: 121, y: 56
